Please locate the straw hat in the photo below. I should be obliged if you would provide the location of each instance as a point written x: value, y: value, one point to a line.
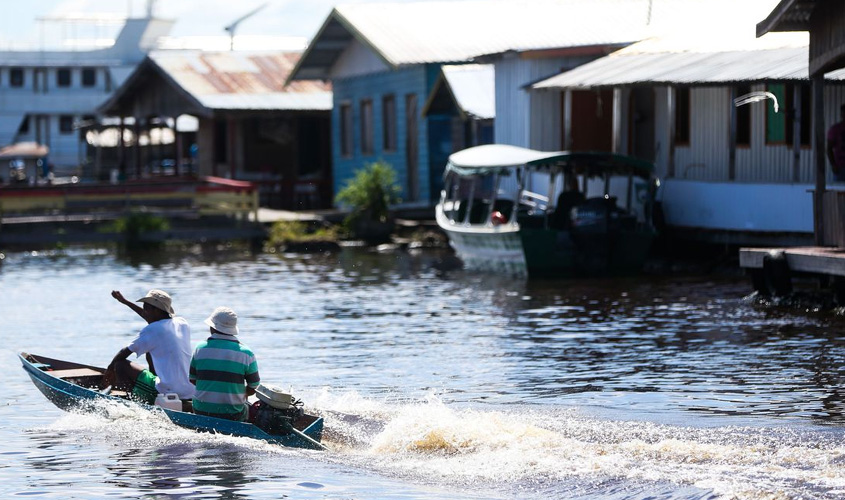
x: 159, y: 299
x: 224, y: 320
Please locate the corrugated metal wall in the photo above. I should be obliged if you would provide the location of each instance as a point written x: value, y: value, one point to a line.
x: 413, y: 80
x: 706, y: 158
x: 524, y: 118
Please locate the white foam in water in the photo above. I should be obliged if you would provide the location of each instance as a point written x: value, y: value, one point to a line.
x: 520, y: 447
x: 433, y: 442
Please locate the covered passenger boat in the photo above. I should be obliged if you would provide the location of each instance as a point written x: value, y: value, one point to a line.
x: 78, y: 387
x: 538, y: 213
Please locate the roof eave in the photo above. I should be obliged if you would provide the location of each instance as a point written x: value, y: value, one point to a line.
x: 774, y: 20
x: 335, y: 15
x: 149, y: 63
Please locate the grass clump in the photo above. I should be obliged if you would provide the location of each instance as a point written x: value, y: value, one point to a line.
x: 299, y: 236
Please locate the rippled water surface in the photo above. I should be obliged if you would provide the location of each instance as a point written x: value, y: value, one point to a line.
x: 436, y: 383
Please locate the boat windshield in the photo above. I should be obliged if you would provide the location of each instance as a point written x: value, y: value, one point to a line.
x: 475, y: 199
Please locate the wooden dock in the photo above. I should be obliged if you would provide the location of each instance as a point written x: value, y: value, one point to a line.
x: 772, y: 269
x: 828, y: 261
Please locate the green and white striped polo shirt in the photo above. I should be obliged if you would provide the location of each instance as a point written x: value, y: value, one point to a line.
x: 222, y: 368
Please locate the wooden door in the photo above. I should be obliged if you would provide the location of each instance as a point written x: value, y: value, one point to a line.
x: 592, y: 120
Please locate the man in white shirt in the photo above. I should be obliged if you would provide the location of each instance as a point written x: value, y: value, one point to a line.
x: 166, y: 342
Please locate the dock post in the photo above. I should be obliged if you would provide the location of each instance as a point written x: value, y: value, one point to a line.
x: 819, y: 157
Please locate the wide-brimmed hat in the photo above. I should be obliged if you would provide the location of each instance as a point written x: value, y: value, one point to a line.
x: 224, y: 320
x: 159, y: 299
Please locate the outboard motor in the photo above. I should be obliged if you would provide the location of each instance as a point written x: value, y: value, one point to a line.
x: 275, y: 411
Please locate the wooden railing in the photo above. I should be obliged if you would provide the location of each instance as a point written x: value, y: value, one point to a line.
x: 168, y: 196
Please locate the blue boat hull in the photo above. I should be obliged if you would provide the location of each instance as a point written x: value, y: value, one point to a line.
x: 74, y: 397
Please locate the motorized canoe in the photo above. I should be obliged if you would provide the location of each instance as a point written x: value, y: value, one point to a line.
x: 79, y: 387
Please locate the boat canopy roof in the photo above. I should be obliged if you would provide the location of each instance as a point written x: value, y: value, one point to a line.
x: 496, y: 158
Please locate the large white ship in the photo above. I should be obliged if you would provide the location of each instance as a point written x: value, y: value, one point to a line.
x: 45, y: 94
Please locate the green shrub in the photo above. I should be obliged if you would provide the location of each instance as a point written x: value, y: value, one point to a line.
x: 370, y: 193
x: 134, y: 225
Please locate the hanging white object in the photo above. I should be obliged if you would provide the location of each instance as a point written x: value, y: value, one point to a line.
x: 756, y: 97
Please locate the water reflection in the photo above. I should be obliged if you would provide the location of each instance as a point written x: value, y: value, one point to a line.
x: 359, y: 328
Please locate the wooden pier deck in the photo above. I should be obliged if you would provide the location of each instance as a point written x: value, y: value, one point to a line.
x: 828, y: 261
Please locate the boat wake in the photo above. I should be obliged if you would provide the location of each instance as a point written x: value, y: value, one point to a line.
x: 543, y: 448
x: 526, y: 451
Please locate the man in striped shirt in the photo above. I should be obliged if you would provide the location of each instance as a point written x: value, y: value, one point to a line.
x: 224, y: 370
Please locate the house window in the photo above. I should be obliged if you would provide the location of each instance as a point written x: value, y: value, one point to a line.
x: 89, y: 77
x: 777, y: 122
x: 682, y: 116
x: 16, y: 77
x: 781, y: 125
x: 743, y: 119
x: 66, y: 124
x: 367, y: 127
x: 388, y: 110
x: 346, y: 130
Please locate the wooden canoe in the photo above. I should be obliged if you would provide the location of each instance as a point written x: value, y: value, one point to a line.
x: 79, y: 387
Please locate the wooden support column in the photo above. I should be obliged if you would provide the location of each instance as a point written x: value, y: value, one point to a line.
x: 732, y: 146
x: 230, y: 147
x: 567, y: 120
x: 819, y: 156
x: 177, y: 148
x: 121, y: 149
x: 796, y: 133
x: 136, y: 128
x: 670, y: 111
x: 616, y: 120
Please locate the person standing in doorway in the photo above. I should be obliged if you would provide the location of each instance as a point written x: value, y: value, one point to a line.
x: 836, y: 146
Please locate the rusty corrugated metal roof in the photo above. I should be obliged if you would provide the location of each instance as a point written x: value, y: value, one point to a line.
x: 235, y: 80
x: 694, y: 61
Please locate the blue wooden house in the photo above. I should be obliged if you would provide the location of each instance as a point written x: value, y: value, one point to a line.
x: 385, y: 62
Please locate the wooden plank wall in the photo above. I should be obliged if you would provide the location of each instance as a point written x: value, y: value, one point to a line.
x: 827, y: 36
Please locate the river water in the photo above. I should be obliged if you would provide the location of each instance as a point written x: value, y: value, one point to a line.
x: 436, y: 383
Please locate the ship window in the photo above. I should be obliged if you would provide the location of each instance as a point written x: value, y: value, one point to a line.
x: 24, y: 128
x: 63, y: 77
x: 66, y: 124
x: 89, y: 77
x: 16, y: 77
